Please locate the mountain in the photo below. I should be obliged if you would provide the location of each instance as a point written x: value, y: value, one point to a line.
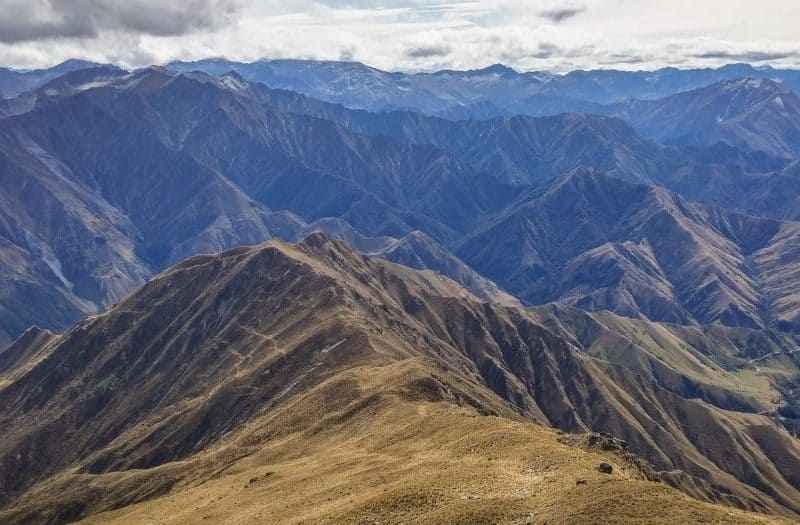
x: 756, y: 114
x: 415, y: 250
x: 173, y: 165
x: 612, y: 86
x: 739, y: 180
x: 359, y: 86
x: 16, y: 81
x: 598, y: 242
x: 526, y: 151
x: 283, y: 382
x: 519, y: 150
x: 484, y: 93
x: 94, y: 221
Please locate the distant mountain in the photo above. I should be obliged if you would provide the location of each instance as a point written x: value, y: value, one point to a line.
x: 16, y: 81
x: 518, y: 150
x: 356, y: 85
x: 610, y: 86
x: 755, y: 114
x: 171, y: 165
x: 490, y: 92
x: 238, y: 376
x: 600, y: 243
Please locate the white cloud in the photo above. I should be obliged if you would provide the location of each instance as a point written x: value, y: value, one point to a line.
x: 405, y: 34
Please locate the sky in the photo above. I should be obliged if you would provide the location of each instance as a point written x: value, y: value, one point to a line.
x: 407, y: 35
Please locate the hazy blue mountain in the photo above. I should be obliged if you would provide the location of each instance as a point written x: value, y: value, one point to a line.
x: 493, y: 91
x: 600, y: 243
x: 532, y: 151
x: 170, y: 165
x: 16, y: 81
x: 755, y: 114
x: 610, y: 86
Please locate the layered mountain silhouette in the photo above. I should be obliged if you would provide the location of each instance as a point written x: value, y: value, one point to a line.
x: 170, y: 165
x: 756, y: 114
x: 191, y: 396
x: 14, y: 82
x: 599, y: 243
x: 301, y: 291
x: 483, y: 93
x: 156, y: 178
x: 532, y: 151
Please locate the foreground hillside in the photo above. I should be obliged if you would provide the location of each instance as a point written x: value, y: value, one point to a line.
x: 310, y: 383
x: 430, y: 463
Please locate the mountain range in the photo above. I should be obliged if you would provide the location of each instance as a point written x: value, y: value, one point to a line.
x: 227, y: 285
x: 755, y: 114
x: 171, y: 165
x: 493, y: 91
x: 201, y: 383
x: 14, y: 82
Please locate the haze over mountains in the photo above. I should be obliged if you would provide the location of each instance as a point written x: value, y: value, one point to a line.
x: 600, y: 251
x: 171, y: 164
x: 494, y: 91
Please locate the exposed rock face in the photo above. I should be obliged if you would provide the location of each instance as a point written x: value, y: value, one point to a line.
x: 251, y: 346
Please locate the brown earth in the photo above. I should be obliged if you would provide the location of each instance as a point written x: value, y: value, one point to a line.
x: 309, y: 383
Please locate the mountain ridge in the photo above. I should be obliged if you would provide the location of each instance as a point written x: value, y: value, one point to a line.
x: 178, y: 164
x: 246, y: 348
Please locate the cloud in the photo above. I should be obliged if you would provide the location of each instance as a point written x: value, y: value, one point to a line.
x: 547, y: 50
x: 440, y: 50
x: 623, y: 58
x: 560, y: 15
x: 554, y: 35
x: 748, y: 56
x: 33, y: 20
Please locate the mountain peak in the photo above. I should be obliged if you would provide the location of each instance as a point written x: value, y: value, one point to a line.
x: 755, y: 84
x: 500, y: 69
x: 316, y: 240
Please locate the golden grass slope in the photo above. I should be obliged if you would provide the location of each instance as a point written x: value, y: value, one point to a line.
x: 308, y: 383
x: 396, y: 460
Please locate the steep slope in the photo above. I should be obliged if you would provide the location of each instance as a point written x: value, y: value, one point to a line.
x: 65, y: 251
x: 92, y: 220
x: 532, y: 151
x: 170, y: 166
x: 415, y: 250
x: 228, y: 376
x: 755, y: 114
x: 600, y: 243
